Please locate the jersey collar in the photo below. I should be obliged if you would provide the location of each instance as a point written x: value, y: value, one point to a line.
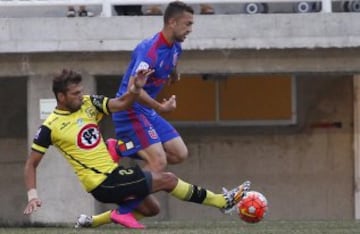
x: 61, y: 112
x: 163, y: 39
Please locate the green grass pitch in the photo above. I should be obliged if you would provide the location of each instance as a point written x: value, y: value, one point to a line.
x: 238, y: 227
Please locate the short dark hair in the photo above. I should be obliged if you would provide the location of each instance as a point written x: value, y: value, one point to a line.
x: 62, y: 81
x: 176, y: 8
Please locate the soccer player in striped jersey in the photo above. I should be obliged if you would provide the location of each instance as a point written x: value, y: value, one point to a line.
x: 141, y: 129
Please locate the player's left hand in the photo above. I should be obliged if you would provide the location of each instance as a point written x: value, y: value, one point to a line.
x: 142, y: 76
x: 32, y: 206
x: 168, y: 104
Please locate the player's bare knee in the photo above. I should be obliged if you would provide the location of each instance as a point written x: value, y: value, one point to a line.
x: 178, y: 158
x: 163, y: 181
x: 183, y: 156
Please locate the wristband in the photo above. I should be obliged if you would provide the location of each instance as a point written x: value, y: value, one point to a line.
x: 134, y: 89
x: 32, y: 194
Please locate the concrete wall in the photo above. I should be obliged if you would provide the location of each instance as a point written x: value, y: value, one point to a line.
x: 27, y: 35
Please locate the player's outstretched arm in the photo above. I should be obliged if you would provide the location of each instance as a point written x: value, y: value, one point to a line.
x: 166, y: 105
x: 126, y: 100
x: 30, y: 181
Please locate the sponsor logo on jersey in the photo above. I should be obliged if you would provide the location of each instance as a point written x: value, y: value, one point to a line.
x: 88, y: 137
x: 52, y: 121
x: 91, y: 112
x: 80, y: 122
x: 64, y: 125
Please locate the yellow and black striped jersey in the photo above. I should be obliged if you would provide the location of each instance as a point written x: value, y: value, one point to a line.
x: 78, y: 138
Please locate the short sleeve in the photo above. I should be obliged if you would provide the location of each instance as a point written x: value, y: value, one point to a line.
x: 101, y: 103
x: 42, y: 139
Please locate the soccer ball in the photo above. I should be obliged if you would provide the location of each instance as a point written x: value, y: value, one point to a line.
x: 252, y: 207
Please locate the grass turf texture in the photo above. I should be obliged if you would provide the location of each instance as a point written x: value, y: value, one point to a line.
x: 265, y: 227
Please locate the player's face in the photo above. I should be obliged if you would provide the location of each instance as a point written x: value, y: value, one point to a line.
x: 183, y: 26
x: 73, y: 99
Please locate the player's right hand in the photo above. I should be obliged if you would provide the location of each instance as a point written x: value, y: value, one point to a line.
x: 142, y: 76
x: 32, y: 206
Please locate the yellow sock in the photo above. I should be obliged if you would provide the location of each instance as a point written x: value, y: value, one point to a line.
x: 101, y: 219
x: 182, y: 190
x: 214, y: 199
x: 192, y: 193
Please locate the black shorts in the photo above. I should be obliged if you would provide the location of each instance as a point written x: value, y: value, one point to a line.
x: 124, y: 184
